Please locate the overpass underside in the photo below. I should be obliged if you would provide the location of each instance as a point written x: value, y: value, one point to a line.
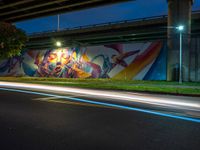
x: 17, y: 10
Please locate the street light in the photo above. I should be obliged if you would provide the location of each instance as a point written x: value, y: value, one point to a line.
x: 58, y: 44
x: 180, y: 28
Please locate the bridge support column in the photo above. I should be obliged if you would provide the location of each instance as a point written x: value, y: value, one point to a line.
x: 179, y: 13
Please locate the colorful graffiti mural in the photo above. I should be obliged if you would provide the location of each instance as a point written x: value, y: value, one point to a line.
x: 120, y: 61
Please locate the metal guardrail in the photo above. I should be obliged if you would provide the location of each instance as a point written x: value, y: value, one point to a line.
x: 105, y: 24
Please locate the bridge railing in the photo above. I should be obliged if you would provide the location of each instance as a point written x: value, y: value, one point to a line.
x: 99, y: 25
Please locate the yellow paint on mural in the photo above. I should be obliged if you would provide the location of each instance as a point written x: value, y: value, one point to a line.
x: 80, y: 73
x: 74, y: 55
x: 85, y: 58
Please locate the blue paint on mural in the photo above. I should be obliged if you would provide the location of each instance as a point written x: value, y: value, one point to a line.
x: 159, y: 67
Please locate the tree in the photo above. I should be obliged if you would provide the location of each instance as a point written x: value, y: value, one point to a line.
x: 12, y: 40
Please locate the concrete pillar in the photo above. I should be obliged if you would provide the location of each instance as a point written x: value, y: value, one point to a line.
x: 179, y: 13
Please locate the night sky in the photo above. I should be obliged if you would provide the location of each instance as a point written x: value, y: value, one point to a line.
x: 109, y: 13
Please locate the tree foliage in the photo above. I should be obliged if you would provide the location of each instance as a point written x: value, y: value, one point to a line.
x: 12, y: 40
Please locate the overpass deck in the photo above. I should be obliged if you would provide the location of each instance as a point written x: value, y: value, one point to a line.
x: 143, y: 29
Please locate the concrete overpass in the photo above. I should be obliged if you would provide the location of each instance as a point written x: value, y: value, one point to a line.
x: 143, y: 29
x: 17, y: 10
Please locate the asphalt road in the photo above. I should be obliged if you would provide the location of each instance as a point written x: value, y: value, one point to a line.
x: 36, y: 122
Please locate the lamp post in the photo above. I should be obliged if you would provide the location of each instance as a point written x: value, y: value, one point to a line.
x: 58, y: 21
x: 180, y: 28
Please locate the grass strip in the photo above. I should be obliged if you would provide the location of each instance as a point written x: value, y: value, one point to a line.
x: 186, y: 88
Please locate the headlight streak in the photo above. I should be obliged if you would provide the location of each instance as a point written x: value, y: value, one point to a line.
x: 173, y: 103
x: 108, y: 104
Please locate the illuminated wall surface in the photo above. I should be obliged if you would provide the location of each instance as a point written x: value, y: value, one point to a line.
x: 134, y: 61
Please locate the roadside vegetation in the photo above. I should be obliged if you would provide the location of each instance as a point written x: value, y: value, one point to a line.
x: 186, y: 88
x: 12, y: 40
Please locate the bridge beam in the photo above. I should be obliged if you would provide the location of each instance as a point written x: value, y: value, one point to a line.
x: 179, y: 13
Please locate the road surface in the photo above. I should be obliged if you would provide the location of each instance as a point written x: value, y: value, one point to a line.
x: 35, y: 121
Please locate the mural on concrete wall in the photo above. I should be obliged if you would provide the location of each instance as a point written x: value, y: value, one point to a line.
x: 119, y: 61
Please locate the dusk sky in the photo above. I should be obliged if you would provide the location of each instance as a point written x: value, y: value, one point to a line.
x: 109, y: 13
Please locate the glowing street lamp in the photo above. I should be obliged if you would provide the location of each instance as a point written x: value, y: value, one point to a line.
x: 58, y: 44
x: 180, y: 29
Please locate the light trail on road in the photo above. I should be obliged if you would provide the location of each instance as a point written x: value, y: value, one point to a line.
x: 25, y: 86
x: 174, y: 102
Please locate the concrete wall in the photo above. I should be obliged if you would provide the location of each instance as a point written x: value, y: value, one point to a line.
x: 195, y: 59
x: 132, y: 61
